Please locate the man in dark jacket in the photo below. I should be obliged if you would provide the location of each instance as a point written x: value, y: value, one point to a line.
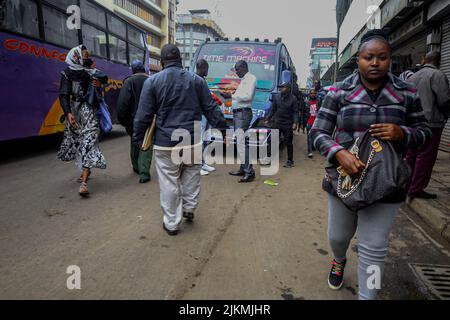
x: 127, y: 105
x: 178, y: 98
x: 434, y: 93
x: 300, y: 99
x: 285, y: 117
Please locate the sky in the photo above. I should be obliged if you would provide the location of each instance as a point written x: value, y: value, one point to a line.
x: 296, y: 21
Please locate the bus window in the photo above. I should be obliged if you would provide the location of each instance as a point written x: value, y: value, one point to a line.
x: 117, y: 26
x: 93, y: 13
x: 55, y: 28
x: 135, y: 36
x: 20, y: 16
x: 117, y: 49
x: 284, y: 59
x: 136, y: 53
x: 63, y: 4
x: 222, y: 57
x: 94, y: 40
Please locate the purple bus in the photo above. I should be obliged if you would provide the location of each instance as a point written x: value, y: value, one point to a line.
x: 34, y: 42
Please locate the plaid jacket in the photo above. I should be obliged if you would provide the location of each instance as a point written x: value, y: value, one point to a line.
x: 349, y: 109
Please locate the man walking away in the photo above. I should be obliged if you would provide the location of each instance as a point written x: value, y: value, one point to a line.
x: 127, y: 105
x: 285, y: 117
x: 243, y: 115
x: 202, y: 71
x: 178, y: 98
x: 434, y: 93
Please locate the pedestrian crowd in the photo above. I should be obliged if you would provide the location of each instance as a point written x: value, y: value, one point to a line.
x: 370, y: 120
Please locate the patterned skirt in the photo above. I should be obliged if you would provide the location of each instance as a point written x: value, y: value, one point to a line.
x: 81, y: 144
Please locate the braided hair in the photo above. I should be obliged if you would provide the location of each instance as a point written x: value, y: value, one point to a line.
x: 375, y: 34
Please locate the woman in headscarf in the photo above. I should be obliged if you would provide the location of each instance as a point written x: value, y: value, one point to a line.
x: 374, y: 100
x: 80, y: 142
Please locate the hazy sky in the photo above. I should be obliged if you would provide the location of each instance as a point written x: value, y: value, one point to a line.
x: 296, y: 21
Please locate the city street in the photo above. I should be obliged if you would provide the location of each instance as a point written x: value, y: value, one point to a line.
x: 249, y: 241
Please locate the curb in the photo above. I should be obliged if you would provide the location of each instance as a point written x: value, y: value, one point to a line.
x: 432, y: 216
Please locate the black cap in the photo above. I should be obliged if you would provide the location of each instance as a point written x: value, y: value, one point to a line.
x: 170, y: 52
x: 137, y: 66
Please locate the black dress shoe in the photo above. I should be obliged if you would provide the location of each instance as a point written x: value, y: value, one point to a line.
x: 247, y: 178
x: 237, y: 173
x: 425, y: 195
x: 147, y: 180
x: 171, y: 233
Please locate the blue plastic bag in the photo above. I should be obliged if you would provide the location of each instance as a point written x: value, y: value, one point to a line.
x: 104, y: 117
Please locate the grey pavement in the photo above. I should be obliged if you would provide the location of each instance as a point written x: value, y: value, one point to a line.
x: 248, y: 241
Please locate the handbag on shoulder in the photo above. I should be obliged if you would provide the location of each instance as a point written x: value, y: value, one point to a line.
x: 149, y: 136
x: 385, y: 174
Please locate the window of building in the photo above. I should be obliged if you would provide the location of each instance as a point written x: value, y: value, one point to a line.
x: 93, y: 13
x: 155, y: 40
x: 117, y: 26
x: 56, y: 31
x: 94, y: 40
x: 139, y: 10
x: 20, y: 16
x: 117, y: 49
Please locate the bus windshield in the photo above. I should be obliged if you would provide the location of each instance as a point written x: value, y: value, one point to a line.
x: 222, y: 57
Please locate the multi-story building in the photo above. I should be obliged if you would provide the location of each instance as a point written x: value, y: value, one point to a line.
x: 193, y: 29
x: 414, y: 29
x: 323, y: 56
x: 156, y: 17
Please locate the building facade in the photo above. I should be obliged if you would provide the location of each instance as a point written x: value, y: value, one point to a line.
x: 415, y: 28
x: 192, y: 30
x: 156, y: 17
x: 323, y: 56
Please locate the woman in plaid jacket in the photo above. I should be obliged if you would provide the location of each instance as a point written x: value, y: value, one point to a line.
x: 370, y: 99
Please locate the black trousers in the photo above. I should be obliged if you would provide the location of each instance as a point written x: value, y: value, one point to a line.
x: 288, y: 134
x: 242, y: 120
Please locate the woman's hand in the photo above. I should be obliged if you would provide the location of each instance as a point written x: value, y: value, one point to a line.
x: 72, y: 121
x: 387, y: 131
x: 351, y: 165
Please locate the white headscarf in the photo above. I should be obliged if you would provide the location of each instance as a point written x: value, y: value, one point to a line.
x: 75, y: 59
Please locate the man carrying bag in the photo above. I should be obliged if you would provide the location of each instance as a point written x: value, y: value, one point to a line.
x: 178, y: 98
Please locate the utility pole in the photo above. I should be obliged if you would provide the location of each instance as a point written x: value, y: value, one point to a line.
x: 336, y: 66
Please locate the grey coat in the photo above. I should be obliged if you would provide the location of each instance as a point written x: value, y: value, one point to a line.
x: 434, y: 93
x: 178, y: 98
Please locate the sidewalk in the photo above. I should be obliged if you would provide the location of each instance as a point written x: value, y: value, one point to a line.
x: 436, y: 213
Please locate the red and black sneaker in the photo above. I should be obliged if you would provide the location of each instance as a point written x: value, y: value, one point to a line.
x: 336, y: 277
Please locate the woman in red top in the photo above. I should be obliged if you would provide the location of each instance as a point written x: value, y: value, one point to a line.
x: 312, y: 110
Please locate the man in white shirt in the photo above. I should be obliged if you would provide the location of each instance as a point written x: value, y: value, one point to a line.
x: 243, y: 115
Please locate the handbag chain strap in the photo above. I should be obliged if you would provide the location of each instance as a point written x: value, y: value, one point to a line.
x: 357, y: 182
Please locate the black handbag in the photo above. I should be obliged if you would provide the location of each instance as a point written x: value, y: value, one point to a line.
x: 386, y: 173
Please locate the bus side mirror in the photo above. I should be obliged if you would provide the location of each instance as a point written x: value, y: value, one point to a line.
x: 286, y: 76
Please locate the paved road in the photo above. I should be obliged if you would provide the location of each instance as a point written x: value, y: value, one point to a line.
x: 248, y: 242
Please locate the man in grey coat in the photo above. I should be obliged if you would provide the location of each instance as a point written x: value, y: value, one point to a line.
x: 434, y: 93
x: 178, y: 98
